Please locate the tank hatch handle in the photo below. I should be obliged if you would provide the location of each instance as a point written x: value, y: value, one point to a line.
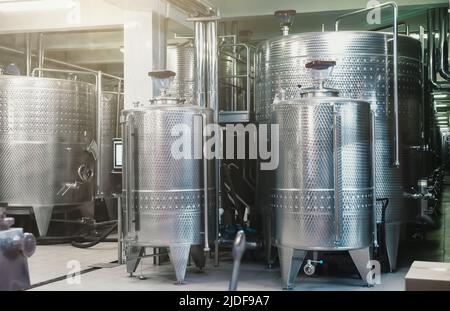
x: 286, y: 20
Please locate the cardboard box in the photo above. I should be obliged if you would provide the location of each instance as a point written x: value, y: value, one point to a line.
x: 428, y: 276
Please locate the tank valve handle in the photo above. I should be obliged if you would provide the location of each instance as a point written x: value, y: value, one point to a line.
x: 286, y: 20
x: 238, y: 252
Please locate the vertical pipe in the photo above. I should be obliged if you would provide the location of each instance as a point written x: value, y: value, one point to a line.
x: 235, y: 81
x: 205, y: 186
x: 212, y: 76
x: 374, y: 172
x: 119, y: 95
x: 41, y: 53
x: 200, y: 81
x: 213, y: 103
x: 28, y: 54
x: 337, y: 182
x: 396, y: 121
x: 119, y: 231
x: 99, y: 136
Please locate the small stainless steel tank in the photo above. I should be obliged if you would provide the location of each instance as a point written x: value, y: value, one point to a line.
x: 164, y: 196
x: 323, y: 196
x: 181, y: 60
x: 47, y: 127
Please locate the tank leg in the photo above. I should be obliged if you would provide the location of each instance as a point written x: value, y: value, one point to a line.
x: 198, y: 256
x: 361, y: 259
x: 290, y: 262
x: 43, y: 215
x: 133, y: 258
x: 179, y: 256
x: 392, y: 233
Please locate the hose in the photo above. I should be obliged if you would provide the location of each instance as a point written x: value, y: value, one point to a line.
x: 89, y: 244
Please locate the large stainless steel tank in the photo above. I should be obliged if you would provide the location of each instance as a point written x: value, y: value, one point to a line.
x: 164, y: 195
x: 181, y: 60
x: 323, y: 187
x: 363, y: 72
x: 46, y: 129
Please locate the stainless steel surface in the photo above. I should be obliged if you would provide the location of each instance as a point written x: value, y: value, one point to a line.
x: 364, y: 71
x: 166, y: 205
x: 46, y: 127
x: 323, y: 192
x: 394, y: 7
x: 181, y: 60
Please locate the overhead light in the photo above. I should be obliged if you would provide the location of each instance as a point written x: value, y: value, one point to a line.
x: 36, y: 5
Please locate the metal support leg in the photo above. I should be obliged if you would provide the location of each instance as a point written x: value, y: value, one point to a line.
x: 43, y: 215
x: 290, y: 261
x: 392, y: 234
x: 198, y: 256
x: 361, y: 259
x: 179, y: 256
x: 134, y: 255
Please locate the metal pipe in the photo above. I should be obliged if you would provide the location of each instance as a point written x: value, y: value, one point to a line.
x: 195, y: 7
x: 443, y: 31
x: 212, y: 100
x: 128, y: 168
x: 395, y: 52
x: 431, y: 50
x: 41, y: 53
x: 58, y: 62
x: 337, y: 182
x: 119, y: 230
x: 200, y: 53
x: 99, y: 184
x: 205, y: 186
x: 119, y: 94
x: 390, y: 26
x: 28, y: 53
x: 374, y: 170
x: 212, y: 76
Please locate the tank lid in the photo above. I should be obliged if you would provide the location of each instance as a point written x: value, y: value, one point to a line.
x: 163, y: 80
x: 320, y: 71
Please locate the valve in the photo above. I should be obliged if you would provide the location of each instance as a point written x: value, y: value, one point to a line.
x: 286, y: 20
x: 310, y: 267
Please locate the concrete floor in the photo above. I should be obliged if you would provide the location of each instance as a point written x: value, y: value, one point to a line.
x: 48, y: 268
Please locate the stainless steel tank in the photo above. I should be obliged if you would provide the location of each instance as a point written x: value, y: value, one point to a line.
x: 47, y: 127
x: 363, y: 72
x: 165, y: 195
x: 181, y: 60
x: 323, y: 196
